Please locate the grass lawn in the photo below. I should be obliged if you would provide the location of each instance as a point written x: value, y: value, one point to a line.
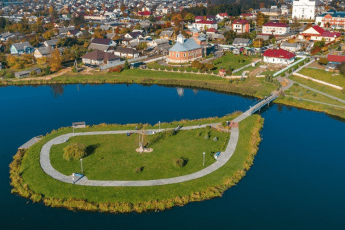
x: 230, y: 60
x: 323, y: 88
x: 300, y: 92
x: 41, y: 183
x: 333, y: 78
x: 113, y: 157
x: 249, y: 68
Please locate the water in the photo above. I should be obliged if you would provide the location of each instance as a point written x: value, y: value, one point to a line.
x: 296, y: 181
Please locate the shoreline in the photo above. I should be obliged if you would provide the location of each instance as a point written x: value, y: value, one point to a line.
x: 23, y: 189
x: 220, y: 87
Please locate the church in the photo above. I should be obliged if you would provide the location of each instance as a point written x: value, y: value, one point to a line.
x: 306, y: 9
x: 187, y: 50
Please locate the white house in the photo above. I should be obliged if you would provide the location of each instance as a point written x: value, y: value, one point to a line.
x: 279, y: 56
x: 316, y: 33
x: 205, y: 25
x: 305, y: 9
x: 98, y: 57
x: 275, y: 28
x: 292, y: 47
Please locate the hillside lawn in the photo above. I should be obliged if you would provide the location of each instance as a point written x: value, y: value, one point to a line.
x: 338, y: 79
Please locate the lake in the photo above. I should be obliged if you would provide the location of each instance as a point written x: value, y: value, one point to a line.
x: 295, y: 182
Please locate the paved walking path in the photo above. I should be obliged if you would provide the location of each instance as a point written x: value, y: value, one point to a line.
x: 222, y: 159
x: 243, y: 67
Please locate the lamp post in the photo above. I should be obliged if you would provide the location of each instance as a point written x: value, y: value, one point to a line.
x: 203, y: 159
x: 81, y: 164
x: 73, y: 130
x: 159, y: 125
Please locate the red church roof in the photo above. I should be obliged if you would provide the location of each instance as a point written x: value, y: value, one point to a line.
x: 278, y: 53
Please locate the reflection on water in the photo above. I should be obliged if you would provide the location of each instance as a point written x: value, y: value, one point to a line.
x: 57, y: 89
x: 180, y: 92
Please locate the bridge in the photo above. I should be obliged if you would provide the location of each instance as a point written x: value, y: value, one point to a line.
x: 257, y: 107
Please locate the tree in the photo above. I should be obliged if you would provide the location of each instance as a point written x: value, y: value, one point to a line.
x: 142, y: 45
x: 55, y: 61
x: 126, y: 65
x: 177, y: 18
x: 74, y: 151
x: 261, y: 19
x: 341, y: 68
x: 189, y: 17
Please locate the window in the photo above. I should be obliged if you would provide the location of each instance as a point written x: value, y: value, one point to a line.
x: 184, y: 55
x: 177, y: 55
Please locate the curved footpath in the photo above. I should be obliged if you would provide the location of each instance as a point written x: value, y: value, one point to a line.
x: 222, y: 159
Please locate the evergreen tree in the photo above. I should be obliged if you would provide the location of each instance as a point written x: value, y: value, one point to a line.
x: 126, y: 65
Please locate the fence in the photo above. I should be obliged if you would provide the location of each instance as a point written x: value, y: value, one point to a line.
x: 286, y: 68
x: 107, y: 66
x: 318, y: 81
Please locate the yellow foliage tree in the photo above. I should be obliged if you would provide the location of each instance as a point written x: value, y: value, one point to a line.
x: 55, y: 61
x: 41, y: 61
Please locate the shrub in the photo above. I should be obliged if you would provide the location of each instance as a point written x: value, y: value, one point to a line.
x: 323, y: 61
x: 74, y: 69
x: 74, y: 151
x: 9, y: 75
x: 215, y: 139
x: 47, y: 70
x: 139, y: 169
x: 2, y: 73
x: 116, y: 69
x: 33, y: 73
x: 180, y: 162
x: 207, y: 137
x: 314, y: 95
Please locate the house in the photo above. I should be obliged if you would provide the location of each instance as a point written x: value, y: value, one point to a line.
x: 247, y: 16
x: 279, y: 56
x: 275, y: 28
x: 21, y: 48
x: 205, y: 25
x: 64, y: 30
x: 331, y: 18
x: 144, y: 14
x: 168, y: 34
x: 292, y: 47
x: 126, y: 52
x: 51, y: 43
x: 129, y: 37
x: 185, y: 50
x: 222, y: 16
x: 26, y: 73
x: 158, y: 42
x: 335, y: 59
x: 241, y: 42
x: 5, y: 36
x: 306, y: 9
x: 102, y: 44
x: 240, y: 26
x: 43, y: 52
x: 74, y: 33
x: 272, y: 12
x: 316, y: 33
x: 98, y: 57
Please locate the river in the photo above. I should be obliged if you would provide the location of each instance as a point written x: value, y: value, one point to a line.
x: 295, y: 182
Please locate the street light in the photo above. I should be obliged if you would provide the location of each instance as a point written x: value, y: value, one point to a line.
x: 159, y: 125
x: 81, y: 164
x: 203, y: 159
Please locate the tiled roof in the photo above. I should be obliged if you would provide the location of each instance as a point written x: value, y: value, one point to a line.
x: 189, y: 44
x: 240, y: 21
x: 278, y: 53
x: 336, y: 58
x: 100, y: 55
x: 205, y: 22
x: 275, y: 24
x: 101, y: 41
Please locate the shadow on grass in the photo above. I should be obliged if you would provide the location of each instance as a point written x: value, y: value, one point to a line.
x: 91, y: 149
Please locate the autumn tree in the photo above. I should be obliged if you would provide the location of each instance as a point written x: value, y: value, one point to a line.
x: 55, y: 61
x: 261, y: 19
x: 189, y: 17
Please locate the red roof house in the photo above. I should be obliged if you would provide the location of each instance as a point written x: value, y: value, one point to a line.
x: 278, y: 56
x: 316, y: 33
x: 336, y: 58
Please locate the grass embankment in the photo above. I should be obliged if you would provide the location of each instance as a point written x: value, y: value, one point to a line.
x: 30, y: 181
x: 323, y: 88
x: 231, y: 61
x: 114, y: 157
x: 332, y: 78
x: 250, y: 87
x: 303, y: 93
